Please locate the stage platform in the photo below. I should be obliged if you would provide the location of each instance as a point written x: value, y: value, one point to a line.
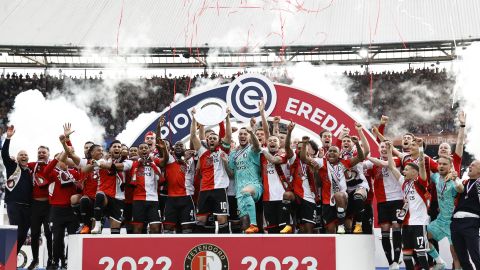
x: 341, y: 252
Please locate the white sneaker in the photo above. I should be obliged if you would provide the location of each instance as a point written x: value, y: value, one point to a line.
x: 97, y: 229
x: 440, y: 266
x: 394, y: 266
x: 341, y: 229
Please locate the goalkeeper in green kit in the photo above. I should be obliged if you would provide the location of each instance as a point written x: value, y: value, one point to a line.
x: 244, y: 162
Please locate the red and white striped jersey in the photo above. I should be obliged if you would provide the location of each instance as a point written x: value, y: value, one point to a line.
x: 302, y: 179
x: 180, y: 175
x: 332, y: 177
x: 89, y: 184
x: 414, y: 194
x: 386, y: 187
x: 111, y: 184
x: 430, y: 165
x: 355, y: 175
x: 273, y: 188
x: 212, y: 170
x: 145, y: 177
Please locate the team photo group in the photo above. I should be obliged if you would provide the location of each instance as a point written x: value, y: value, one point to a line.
x: 261, y: 179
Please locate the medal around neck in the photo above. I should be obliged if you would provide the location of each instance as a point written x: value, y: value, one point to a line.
x: 210, y: 111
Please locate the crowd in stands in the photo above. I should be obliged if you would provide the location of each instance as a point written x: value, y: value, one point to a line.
x: 390, y: 92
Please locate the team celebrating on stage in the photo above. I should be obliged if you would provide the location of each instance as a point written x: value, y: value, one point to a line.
x: 266, y: 181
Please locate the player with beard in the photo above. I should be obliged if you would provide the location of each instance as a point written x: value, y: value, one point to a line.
x: 62, y: 186
x: 129, y: 189
x: 150, y: 139
x: 389, y: 196
x: 414, y: 212
x: 445, y: 149
x: 448, y: 186
x: 331, y: 170
x: 110, y: 193
x: 18, y: 189
x: 244, y: 161
x: 40, y: 206
x: 213, y: 189
x: 326, y: 138
x: 179, y: 174
x: 145, y: 176
x: 276, y: 182
x: 357, y: 185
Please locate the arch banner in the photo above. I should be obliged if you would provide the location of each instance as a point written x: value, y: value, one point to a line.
x: 242, y: 96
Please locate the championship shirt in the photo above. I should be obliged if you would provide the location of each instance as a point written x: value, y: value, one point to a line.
x: 211, y: 168
x: 446, y: 195
x: 180, y: 175
x: 272, y: 184
x: 40, y: 185
x: 354, y: 176
x: 89, y: 183
x: 245, y: 164
x: 386, y: 187
x: 62, y: 184
x: 302, y: 180
x: 414, y: 192
x: 332, y: 177
x: 111, y: 184
x: 145, y: 176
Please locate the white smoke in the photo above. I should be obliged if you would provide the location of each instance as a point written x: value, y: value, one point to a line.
x: 325, y: 82
x: 467, y: 91
x: 133, y: 127
x: 39, y: 120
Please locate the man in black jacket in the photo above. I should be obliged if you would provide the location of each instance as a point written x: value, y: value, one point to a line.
x: 466, y: 220
x: 18, y: 189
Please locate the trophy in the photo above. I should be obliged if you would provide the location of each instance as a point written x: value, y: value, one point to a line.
x: 210, y: 111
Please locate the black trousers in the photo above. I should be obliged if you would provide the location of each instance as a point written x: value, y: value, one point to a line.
x: 465, y: 241
x: 61, y: 218
x: 40, y: 216
x: 19, y: 214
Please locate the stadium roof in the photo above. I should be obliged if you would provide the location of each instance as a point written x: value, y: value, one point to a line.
x: 193, y: 26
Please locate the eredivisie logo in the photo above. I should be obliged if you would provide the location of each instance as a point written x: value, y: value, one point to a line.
x: 206, y: 257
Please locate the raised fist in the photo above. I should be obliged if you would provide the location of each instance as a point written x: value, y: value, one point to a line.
x: 291, y: 126
x: 388, y: 144
x: 354, y: 139
x: 305, y: 139
x: 10, y: 131
x: 276, y: 119
x: 384, y: 119
x: 358, y: 126
x: 462, y: 117
x: 161, y: 121
x: 253, y: 122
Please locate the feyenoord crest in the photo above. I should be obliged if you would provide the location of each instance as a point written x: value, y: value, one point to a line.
x: 206, y: 256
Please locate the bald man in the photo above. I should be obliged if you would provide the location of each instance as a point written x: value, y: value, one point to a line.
x: 466, y: 220
x: 18, y: 189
